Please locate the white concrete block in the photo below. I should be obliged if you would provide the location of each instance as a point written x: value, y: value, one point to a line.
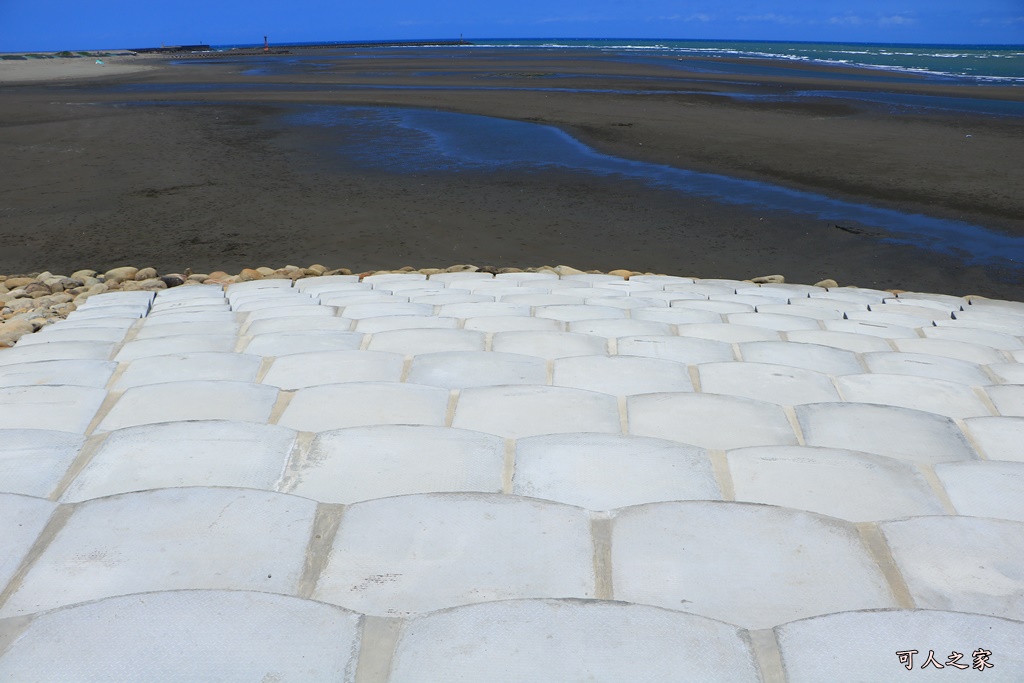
x: 709, y: 420
x: 961, y: 564
x: 547, y: 344
x: 57, y: 408
x: 191, y: 400
x: 946, y: 348
x: 985, y: 489
x: 818, y: 357
x: 82, y: 373
x: 1008, y: 399
x: 57, y: 333
x: 606, y: 471
x: 464, y: 369
x: 377, y: 309
x: 720, y: 307
x: 920, y: 393
x: 301, y: 370
x: 730, y: 333
x: 620, y: 328
x: 571, y: 313
x: 864, y: 646
x: 512, y: 323
x: 1008, y: 373
x: 924, y: 365
x: 387, y: 323
x: 170, y: 539
x: 755, y: 566
x: 414, y: 554
x: 774, y: 321
x: 177, y: 454
x: 58, y: 350
x: 676, y: 315
x: 483, y: 309
x: 995, y: 340
x: 780, y: 384
x: 518, y: 411
x: 910, y: 435
x: 22, y: 519
x: 232, y: 367
x: 535, y: 300
x: 570, y: 641
x: 621, y: 375
x: 871, y: 328
x: 356, y: 404
x: 414, y: 342
x: 298, y: 324
x: 998, y: 438
x: 689, y: 350
x: 363, y: 463
x: 813, y: 312
x: 177, y: 345
x: 287, y: 343
x: 33, y: 461
x: 848, y: 341
x: 229, y: 636
x: 857, y: 487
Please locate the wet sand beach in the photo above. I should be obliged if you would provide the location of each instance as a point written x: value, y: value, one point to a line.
x: 200, y: 165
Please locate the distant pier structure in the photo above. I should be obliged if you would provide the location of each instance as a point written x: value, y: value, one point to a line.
x: 205, y: 51
x: 171, y: 49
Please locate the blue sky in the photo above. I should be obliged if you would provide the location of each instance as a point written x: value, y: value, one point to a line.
x: 83, y: 24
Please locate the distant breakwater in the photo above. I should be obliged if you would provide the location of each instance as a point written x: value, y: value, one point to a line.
x: 206, y: 51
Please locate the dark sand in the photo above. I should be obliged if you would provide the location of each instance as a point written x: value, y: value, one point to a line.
x: 224, y: 186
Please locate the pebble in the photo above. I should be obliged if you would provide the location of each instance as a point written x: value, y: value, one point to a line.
x: 121, y: 274
x: 769, y: 280
x: 30, y: 301
x: 567, y: 270
x: 13, y: 330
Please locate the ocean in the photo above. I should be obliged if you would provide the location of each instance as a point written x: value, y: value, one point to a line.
x: 979, y: 64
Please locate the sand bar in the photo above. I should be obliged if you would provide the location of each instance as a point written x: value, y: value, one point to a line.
x: 67, y: 68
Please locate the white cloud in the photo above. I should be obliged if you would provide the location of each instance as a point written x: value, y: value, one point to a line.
x: 700, y: 17
x: 769, y: 18
x: 847, y: 19
x: 579, y: 19
x: 896, y: 20
x: 855, y: 20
